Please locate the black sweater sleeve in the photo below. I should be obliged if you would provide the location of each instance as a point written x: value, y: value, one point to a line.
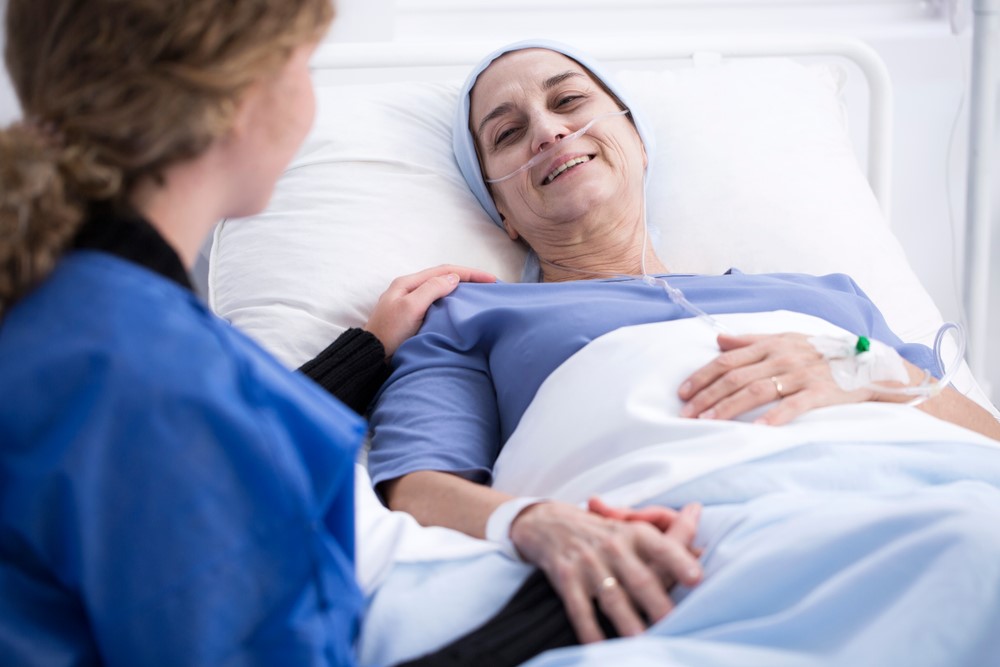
x: 352, y: 368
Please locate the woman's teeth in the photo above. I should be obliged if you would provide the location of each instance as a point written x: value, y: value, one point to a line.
x: 568, y: 165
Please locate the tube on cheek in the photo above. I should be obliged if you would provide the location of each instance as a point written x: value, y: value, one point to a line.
x: 548, y: 152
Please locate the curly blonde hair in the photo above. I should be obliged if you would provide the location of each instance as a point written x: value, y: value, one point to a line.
x: 114, y: 91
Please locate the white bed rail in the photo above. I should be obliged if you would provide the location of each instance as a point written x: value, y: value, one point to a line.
x: 389, y: 60
x: 982, y: 116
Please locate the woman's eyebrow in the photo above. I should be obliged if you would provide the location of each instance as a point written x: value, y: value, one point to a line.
x: 554, y: 81
x: 496, y: 113
x: 506, y: 107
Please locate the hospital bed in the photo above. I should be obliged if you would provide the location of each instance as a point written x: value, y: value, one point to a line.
x: 772, y: 155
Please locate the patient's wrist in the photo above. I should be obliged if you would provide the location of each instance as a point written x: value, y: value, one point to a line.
x: 498, y: 526
x: 919, y: 377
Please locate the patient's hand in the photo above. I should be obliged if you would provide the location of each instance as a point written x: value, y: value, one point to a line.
x: 401, y: 308
x: 753, y: 370
x: 756, y: 369
x: 626, y: 566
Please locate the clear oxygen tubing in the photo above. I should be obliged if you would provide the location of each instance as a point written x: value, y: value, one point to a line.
x: 550, y: 151
x: 921, y: 392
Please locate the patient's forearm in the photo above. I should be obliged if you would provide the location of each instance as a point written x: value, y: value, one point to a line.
x: 958, y: 409
x: 950, y: 406
x: 443, y: 499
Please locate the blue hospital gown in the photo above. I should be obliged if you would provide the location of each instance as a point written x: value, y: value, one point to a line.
x: 470, y: 373
x: 169, y: 494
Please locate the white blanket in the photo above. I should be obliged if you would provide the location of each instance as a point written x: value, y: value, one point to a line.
x: 607, y: 421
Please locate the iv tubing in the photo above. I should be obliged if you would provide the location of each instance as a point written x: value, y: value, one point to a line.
x: 926, y: 389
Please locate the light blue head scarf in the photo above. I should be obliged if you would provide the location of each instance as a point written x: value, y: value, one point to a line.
x: 464, y: 144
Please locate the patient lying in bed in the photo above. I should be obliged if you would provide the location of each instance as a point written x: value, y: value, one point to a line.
x: 834, y: 538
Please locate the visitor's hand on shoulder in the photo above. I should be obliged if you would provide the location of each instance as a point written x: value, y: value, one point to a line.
x: 401, y: 308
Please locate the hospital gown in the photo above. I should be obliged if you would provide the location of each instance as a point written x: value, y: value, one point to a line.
x: 467, y: 377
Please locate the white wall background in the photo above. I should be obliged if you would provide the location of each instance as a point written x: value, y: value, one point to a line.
x: 928, y: 63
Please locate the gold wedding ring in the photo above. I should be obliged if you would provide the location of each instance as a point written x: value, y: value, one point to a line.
x: 778, y: 386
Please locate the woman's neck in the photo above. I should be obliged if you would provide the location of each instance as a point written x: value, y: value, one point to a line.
x: 621, y: 250
x: 183, y: 206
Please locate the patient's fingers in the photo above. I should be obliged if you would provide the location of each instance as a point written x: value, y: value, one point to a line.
x: 740, y: 378
x: 560, y: 539
x: 810, y: 399
x: 647, y: 587
x: 580, y: 609
x: 615, y: 596
x: 649, y: 570
x: 726, y: 363
x: 676, y: 558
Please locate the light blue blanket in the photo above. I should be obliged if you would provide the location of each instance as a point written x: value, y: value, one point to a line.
x: 825, y: 554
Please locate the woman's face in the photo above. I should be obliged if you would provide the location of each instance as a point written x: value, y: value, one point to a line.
x: 525, y: 102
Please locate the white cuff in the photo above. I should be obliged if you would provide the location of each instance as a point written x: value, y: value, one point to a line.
x: 498, y: 525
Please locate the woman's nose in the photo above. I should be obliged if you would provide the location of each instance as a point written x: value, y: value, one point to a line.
x: 545, y: 144
x: 547, y: 132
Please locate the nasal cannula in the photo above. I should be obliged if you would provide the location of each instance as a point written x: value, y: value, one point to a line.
x: 547, y: 153
x: 921, y: 392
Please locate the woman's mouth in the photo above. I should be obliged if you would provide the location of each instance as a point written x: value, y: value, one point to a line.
x: 565, y: 166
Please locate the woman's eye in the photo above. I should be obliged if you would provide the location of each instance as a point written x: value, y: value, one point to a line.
x: 567, y: 99
x: 505, y: 135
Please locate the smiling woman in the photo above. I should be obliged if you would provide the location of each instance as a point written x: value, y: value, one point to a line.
x: 569, y: 154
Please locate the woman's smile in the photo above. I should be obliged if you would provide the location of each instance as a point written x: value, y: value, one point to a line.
x: 563, y: 164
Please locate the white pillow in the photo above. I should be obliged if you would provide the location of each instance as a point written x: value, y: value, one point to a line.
x: 754, y: 169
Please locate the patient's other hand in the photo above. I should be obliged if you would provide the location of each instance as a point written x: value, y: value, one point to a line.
x: 753, y: 370
x: 401, y: 308
x: 626, y: 567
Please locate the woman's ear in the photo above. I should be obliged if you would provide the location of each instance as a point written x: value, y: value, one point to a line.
x: 241, y: 115
x: 511, y: 232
